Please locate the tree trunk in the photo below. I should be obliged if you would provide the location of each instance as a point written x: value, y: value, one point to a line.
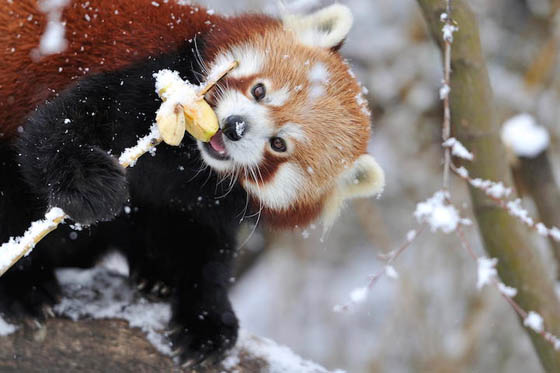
x: 538, y: 179
x: 473, y: 123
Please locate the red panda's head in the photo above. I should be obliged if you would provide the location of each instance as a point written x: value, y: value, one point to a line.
x: 294, y: 125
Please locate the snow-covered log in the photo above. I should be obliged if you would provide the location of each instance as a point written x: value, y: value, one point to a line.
x: 102, y: 325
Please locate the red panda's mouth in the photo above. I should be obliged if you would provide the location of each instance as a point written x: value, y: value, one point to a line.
x: 216, y: 147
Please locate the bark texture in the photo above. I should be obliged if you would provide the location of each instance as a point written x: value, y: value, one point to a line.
x: 473, y: 123
x: 62, y: 345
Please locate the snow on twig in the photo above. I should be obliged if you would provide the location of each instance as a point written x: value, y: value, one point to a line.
x: 358, y: 295
x: 447, y: 31
x: 531, y: 319
x: 18, y: 247
x: 497, y: 193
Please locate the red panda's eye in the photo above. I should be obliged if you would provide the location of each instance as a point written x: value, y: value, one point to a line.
x: 278, y: 144
x: 258, y: 91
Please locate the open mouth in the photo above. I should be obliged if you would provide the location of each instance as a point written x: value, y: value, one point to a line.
x: 216, y: 147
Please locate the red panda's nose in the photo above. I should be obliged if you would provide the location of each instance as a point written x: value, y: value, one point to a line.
x: 234, y: 127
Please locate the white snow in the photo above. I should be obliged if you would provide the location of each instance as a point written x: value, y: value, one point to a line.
x: 492, y: 188
x: 391, y: 272
x: 358, y: 295
x: 534, y: 321
x: 524, y: 136
x: 280, y: 358
x: 173, y: 90
x: 444, y: 91
x: 448, y: 31
x: 99, y: 293
x: 486, y: 271
x: 17, y: 246
x: 439, y: 214
x: 507, y: 290
x: 458, y: 149
x: 130, y: 155
x: 515, y: 209
x: 53, y: 41
x: 6, y: 328
x: 411, y: 235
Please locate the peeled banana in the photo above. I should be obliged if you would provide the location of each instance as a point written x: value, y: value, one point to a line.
x: 182, y: 109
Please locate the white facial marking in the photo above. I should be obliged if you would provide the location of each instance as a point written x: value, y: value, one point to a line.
x: 250, y: 61
x: 294, y: 131
x: 282, y: 190
x: 249, y: 150
x: 277, y: 97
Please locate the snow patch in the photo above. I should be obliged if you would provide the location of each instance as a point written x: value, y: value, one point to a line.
x: 524, y: 136
x: 534, y: 321
x: 99, y: 293
x: 458, y: 149
x: 280, y: 359
x: 439, y: 214
x: 486, y: 271
x: 6, y: 328
x: 52, y: 41
x: 508, y: 291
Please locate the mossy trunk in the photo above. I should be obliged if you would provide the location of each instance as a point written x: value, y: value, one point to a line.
x: 473, y: 123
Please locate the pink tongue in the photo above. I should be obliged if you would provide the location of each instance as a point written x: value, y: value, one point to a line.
x: 218, y: 143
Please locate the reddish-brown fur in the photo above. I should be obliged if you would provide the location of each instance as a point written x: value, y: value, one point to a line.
x: 110, y: 41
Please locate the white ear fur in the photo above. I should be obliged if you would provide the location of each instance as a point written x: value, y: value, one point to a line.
x: 326, y: 28
x: 364, y: 179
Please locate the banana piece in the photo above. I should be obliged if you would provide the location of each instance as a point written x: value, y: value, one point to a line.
x: 172, y: 125
x: 200, y: 120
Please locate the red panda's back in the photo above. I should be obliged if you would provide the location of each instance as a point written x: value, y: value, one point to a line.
x: 102, y: 35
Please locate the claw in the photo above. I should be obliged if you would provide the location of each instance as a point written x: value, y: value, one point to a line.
x: 48, y: 312
x: 155, y: 288
x: 141, y: 284
x: 190, y: 363
x: 165, y: 291
x: 176, y: 352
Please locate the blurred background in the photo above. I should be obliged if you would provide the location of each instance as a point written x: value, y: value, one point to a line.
x: 432, y: 318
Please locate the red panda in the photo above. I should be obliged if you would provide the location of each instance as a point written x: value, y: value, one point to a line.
x: 293, y: 141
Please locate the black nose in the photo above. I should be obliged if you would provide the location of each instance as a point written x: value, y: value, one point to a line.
x: 234, y: 127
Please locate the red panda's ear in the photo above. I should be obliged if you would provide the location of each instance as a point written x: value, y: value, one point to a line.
x: 365, y: 178
x: 325, y: 28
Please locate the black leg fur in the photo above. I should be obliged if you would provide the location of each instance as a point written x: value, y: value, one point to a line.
x: 194, y: 262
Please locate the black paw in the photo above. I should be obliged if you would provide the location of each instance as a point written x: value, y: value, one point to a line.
x: 203, y: 342
x: 24, y: 294
x: 90, y: 189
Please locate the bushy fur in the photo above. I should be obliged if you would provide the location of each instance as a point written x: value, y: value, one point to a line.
x: 178, y: 233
